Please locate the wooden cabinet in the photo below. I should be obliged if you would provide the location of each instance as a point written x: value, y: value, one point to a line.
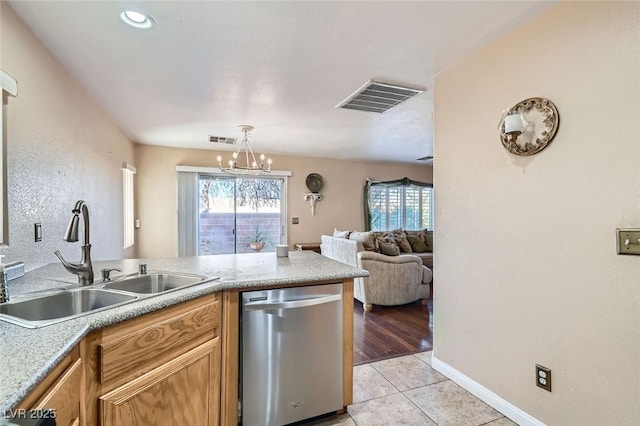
x: 159, y: 369
x: 60, y: 391
x: 163, y: 368
x: 180, y: 392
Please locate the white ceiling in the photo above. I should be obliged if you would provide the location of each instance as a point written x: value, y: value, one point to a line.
x: 207, y: 67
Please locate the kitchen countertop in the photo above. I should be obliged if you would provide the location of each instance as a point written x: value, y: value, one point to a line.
x: 27, y: 355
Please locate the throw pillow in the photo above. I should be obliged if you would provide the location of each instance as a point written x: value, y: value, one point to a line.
x: 429, y: 240
x: 416, y: 244
x: 402, y: 241
x: 420, y: 234
x: 380, y: 234
x: 386, y: 239
x: 368, y: 239
x: 389, y: 249
x: 341, y: 234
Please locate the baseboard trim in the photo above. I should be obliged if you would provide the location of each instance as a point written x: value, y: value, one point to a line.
x: 500, y: 404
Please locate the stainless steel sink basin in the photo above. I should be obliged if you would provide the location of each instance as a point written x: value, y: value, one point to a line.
x: 155, y: 282
x: 51, y: 308
x: 38, y: 310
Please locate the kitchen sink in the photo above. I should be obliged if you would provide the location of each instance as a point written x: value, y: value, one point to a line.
x: 60, y: 306
x: 154, y: 282
x: 45, y: 308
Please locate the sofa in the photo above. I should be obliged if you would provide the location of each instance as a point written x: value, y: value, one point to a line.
x: 393, y: 279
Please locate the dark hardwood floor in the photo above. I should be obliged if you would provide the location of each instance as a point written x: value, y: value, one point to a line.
x: 391, y: 331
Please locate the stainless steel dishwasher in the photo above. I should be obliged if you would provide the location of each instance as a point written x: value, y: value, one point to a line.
x: 291, y: 354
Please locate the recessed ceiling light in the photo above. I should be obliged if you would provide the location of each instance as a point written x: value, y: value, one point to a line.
x: 137, y: 19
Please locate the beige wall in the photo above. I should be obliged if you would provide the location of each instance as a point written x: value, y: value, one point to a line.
x: 61, y: 147
x: 527, y: 270
x: 342, y: 206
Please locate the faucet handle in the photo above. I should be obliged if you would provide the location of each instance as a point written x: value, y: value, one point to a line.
x: 143, y: 269
x: 107, y: 271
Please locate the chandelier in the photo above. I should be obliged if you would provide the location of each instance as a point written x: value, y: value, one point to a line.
x: 250, y: 165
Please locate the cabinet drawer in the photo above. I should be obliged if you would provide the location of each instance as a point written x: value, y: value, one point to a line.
x: 137, y: 346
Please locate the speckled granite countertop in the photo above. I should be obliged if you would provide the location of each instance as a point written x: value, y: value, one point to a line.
x: 28, y: 355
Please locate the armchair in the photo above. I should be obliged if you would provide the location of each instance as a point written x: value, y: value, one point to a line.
x: 392, y: 280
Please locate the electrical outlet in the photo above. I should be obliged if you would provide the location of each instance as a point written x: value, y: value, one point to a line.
x: 543, y: 377
x: 295, y: 220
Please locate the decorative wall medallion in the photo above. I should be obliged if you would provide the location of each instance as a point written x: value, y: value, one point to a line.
x: 314, y: 182
x: 540, y: 123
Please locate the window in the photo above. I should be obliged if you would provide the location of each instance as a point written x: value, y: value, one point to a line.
x: 221, y: 213
x: 9, y: 86
x: 127, y: 203
x: 399, y: 204
x: 235, y: 212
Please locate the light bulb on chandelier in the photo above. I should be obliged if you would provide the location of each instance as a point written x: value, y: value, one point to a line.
x: 250, y: 166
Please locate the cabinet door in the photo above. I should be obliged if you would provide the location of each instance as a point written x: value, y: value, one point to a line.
x: 184, y: 391
x: 64, y: 396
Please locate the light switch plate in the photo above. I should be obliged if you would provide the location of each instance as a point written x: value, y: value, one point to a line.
x: 628, y: 240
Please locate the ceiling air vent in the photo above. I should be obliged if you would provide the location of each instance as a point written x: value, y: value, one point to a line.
x: 377, y: 96
x: 222, y: 139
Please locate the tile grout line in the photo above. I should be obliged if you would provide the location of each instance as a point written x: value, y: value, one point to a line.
x: 378, y: 397
x: 387, y: 380
x: 384, y: 396
x: 420, y: 386
x: 403, y: 392
x: 428, y: 384
x: 420, y: 409
x: 490, y: 421
x: 398, y: 390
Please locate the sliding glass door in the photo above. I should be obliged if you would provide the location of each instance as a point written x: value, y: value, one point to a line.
x: 239, y: 214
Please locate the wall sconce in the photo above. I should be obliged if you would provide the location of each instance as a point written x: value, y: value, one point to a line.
x: 529, y: 126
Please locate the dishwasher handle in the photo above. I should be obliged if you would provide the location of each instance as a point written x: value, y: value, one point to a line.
x: 268, y: 306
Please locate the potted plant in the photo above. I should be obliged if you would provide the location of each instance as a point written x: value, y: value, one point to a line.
x: 259, y: 239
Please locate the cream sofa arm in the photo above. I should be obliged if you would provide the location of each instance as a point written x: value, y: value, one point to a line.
x: 427, y: 275
x: 378, y: 257
x: 340, y: 249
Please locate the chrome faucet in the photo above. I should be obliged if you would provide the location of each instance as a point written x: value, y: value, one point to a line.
x: 84, y: 269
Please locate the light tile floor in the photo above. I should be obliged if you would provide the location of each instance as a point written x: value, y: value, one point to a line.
x: 407, y: 391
